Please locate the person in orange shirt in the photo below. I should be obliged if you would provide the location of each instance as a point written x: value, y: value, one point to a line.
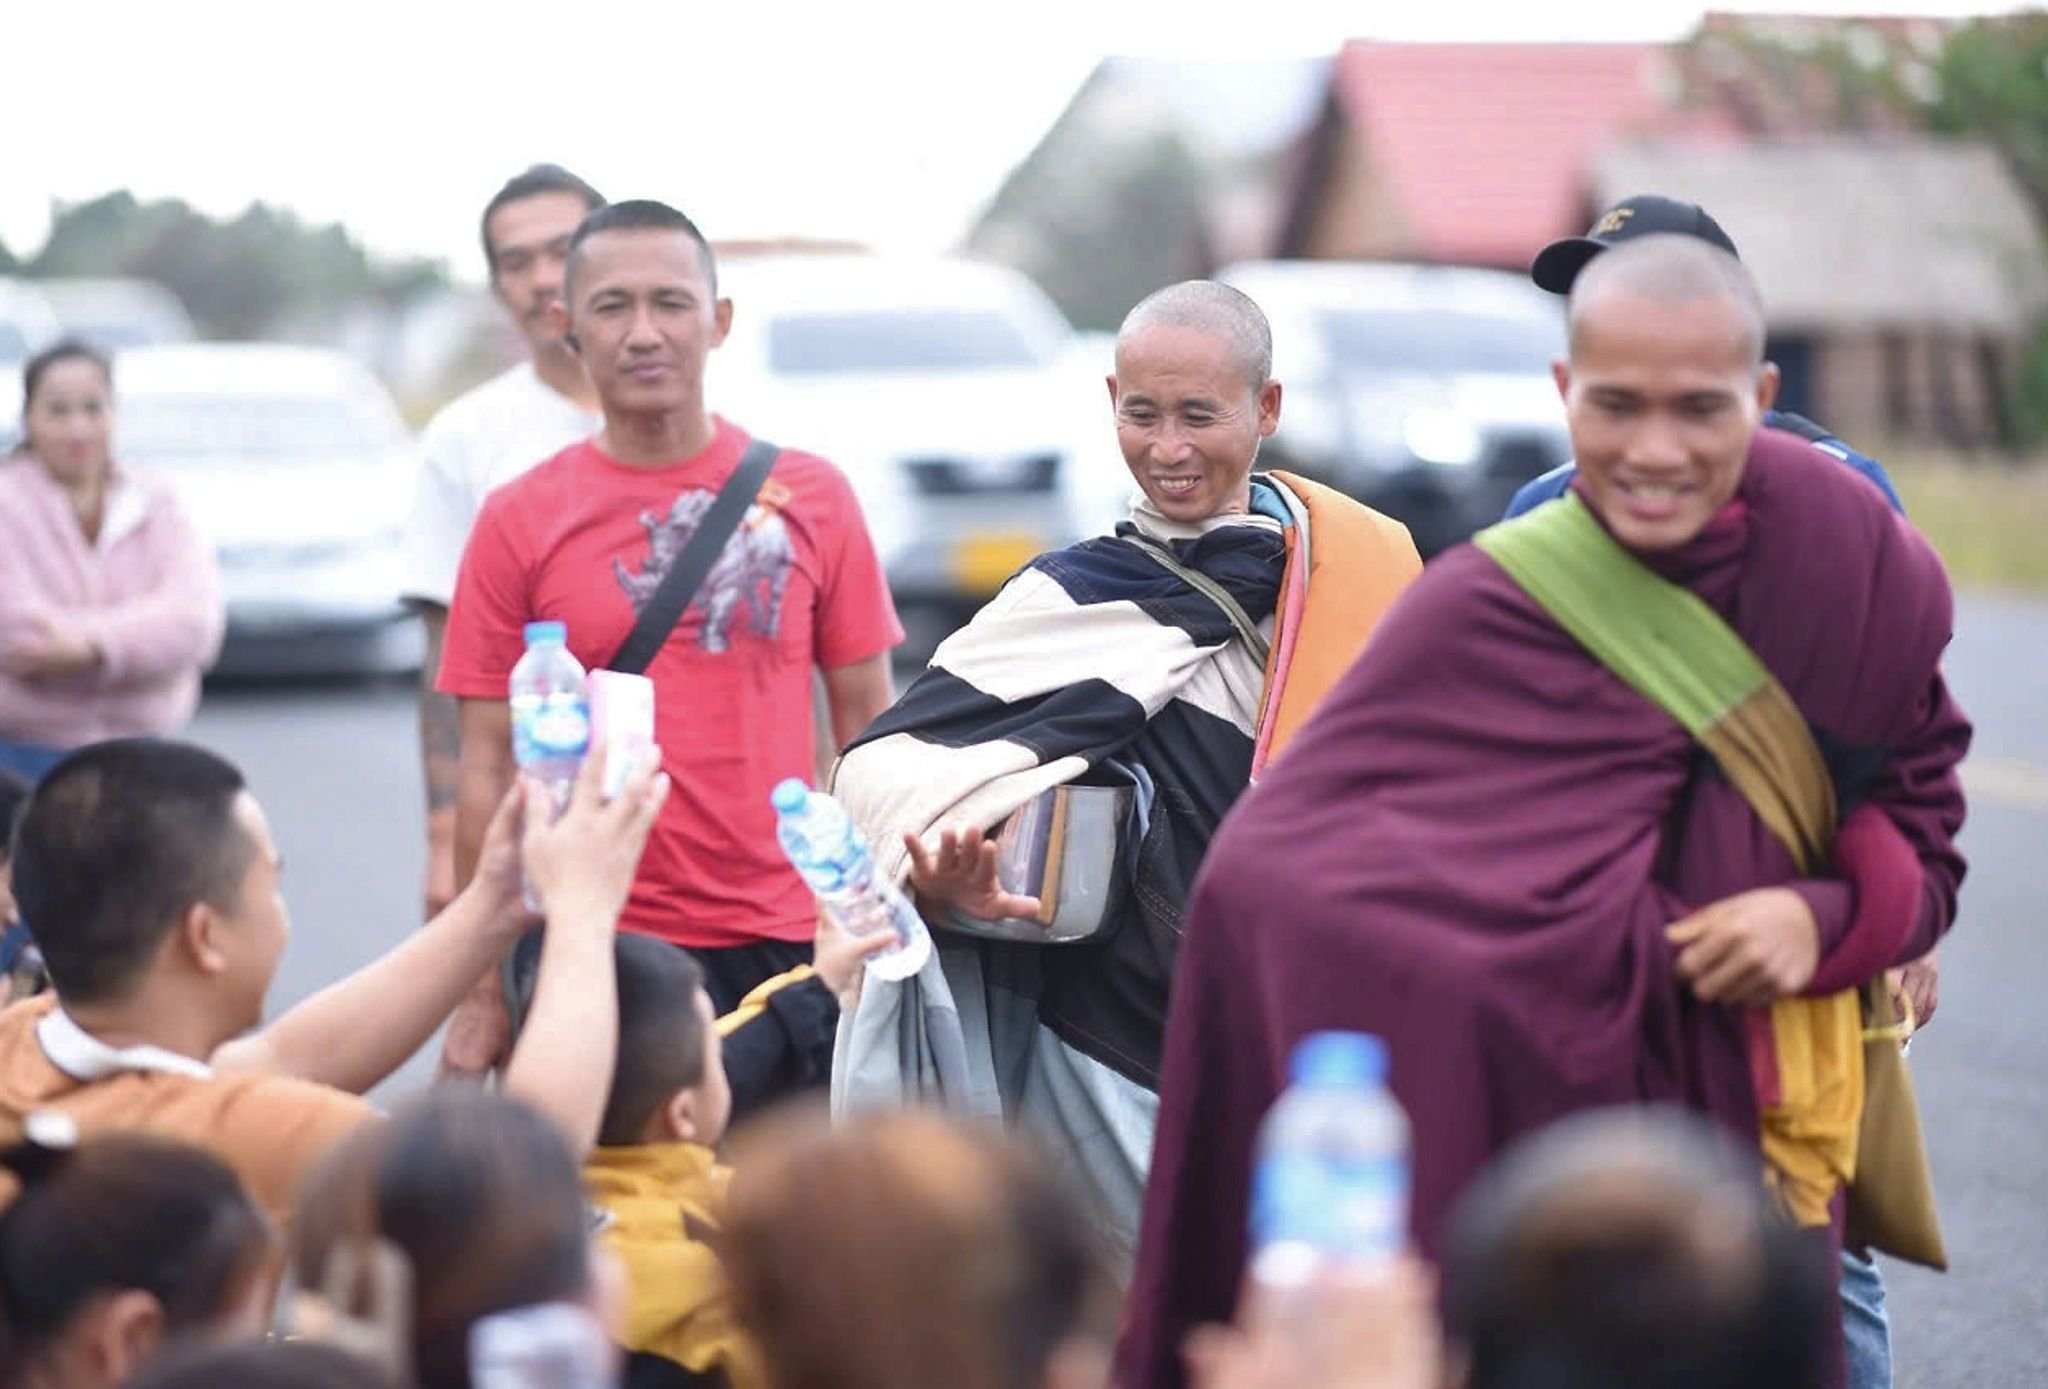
x: 148, y: 877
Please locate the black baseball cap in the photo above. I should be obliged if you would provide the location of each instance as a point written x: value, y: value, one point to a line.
x: 1559, y: 263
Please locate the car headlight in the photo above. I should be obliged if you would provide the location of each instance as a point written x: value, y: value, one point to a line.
x: 1442, y: 437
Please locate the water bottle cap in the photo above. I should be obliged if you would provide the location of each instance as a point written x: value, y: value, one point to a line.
x: 1340, y: 1059
x: 542, y: 633
x: 790, y: 796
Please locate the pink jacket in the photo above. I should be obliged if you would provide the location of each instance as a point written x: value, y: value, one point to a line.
x: 148, y: 593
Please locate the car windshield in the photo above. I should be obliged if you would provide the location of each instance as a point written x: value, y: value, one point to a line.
x: 174, y: 430
x: 901, y: 340
x: 1437, y: 342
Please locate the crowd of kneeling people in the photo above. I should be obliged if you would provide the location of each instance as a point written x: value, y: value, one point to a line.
x: 218, y: 1214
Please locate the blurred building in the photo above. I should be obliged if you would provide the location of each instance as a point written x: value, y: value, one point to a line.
x: 1157, y: 171
x: 1474, y: 154
x: 1904, y: 275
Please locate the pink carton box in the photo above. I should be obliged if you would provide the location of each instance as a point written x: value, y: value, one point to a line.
x: 622, y: 721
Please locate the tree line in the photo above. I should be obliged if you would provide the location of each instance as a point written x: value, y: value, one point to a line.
x: 244, y: 276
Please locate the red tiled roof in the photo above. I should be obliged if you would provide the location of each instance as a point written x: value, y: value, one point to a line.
x: 1486, y: 149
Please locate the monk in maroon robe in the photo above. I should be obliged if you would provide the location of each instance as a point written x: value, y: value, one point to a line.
x: 1521, y: 873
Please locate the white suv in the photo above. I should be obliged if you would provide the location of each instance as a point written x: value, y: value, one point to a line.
x: 295, y: 462
x: 26, y: 327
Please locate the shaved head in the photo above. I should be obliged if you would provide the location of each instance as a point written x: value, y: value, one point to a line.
x: 1664, y: 387
x: 1194, y: 395
x: 1206, y: 306
x: 1670, y: 269
x: 1615, y: 1245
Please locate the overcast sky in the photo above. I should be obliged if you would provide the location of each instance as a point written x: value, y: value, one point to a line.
x: 884, y: 121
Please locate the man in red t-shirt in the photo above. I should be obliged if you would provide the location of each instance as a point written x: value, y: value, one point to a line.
x: 585, y: 537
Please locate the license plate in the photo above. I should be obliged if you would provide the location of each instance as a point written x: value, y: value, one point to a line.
x: 982, y: 563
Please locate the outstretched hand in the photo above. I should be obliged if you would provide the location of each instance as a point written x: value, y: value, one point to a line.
x: 583, y: 863
x: 838, y: 955
x: 962, y: 874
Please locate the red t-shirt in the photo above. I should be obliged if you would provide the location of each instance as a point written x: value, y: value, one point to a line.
x: 583, y: 539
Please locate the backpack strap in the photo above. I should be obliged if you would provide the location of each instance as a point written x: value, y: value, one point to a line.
x: 1233, y: 611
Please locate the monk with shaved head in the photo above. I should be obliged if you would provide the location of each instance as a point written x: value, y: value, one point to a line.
x: 1193, y: 394
x: 1665, y: 385
x: 1624, y: 804
x: 1556, y: 269
x: 1166, y: 664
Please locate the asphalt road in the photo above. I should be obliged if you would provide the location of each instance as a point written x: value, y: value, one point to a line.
x: 337, y: 770
x: 1982, y: 1067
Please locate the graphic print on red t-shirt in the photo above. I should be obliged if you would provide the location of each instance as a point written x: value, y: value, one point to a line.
x: 584, y: 540
x: 752, y: 572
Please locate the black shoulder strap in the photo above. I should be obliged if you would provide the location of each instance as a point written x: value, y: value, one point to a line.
x: 671, y: 598
x: 1247, y: 630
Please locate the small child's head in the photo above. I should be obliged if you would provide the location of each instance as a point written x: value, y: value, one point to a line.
x: 478, y: 1197
x: 669, y: 1083
x: 113, y: 1249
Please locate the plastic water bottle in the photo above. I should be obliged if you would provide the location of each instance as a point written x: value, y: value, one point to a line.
x: 550, y: 698
x: 551, y: 1345
x: 1330, y: 1193
x: 822, y: 841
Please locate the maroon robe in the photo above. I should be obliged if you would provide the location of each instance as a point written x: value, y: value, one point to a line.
x: 1475, y: 846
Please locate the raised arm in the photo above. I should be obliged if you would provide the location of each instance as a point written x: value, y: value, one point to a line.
x: 440, y: 761
x: 582, y: 867
x: 444, y: 509
x: 1921, y: 792
x: 480, y: 1028
x: 354, y: 1033
x: 487, y: 771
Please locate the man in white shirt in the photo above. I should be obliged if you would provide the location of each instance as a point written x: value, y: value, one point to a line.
x: 483, y: 440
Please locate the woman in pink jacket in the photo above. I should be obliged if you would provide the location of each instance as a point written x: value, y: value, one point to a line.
x: 110, y: 606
